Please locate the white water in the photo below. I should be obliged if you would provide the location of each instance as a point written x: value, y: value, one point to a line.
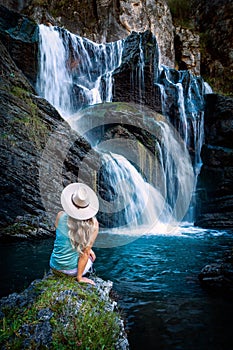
x: 191, y: 114
x: 158, y: 207
x: 208, y: 89
x: 143, y: 205
x: 71, y: 65
x: 76, y: 72
x: 54, y: 81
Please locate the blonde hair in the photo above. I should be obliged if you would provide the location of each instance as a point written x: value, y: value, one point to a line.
x: 80, y: 233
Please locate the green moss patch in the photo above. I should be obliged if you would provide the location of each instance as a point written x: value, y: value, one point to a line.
x: 60, y: 314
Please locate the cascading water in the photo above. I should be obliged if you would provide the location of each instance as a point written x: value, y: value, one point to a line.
x: 134, y: 202
x: 75, y: 72
x: 182, y: 90
x: 150, y: 208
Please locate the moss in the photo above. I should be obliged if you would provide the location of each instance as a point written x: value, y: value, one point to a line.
x: 221, y: 84
x: 89, y: 322
x: 32, y: 124
x: 181, y: 13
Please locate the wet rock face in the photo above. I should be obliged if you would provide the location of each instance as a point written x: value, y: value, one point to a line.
x: 107, y: 20
x: 19, y: 34
x: 216, y: 178
x: 27, y: 123
x: 218, y: 277
x: 129, y: 86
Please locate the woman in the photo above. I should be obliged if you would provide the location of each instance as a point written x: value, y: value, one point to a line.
x: 76, y: 232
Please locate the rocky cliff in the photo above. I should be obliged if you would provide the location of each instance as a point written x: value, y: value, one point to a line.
x: 198, y: 35
x: 29, y: 121
x: 106, y: 20
x: 216, y: 178
x: 214, y: 22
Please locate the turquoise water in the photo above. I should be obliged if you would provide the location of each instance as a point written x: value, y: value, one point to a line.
x: 155, y: 277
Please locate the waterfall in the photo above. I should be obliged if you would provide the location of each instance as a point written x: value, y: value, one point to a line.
x: 75, y: 72
x: 54, y: 81
x: 158, y: 206
x: 140, y: 74
x: 183, y: 92
x: 133, y: 203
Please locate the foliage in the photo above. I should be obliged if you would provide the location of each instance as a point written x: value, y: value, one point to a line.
x: 89, y: 324
x: 221, y: 84
x: 181, y: 12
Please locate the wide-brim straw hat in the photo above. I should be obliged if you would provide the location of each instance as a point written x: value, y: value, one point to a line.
x: 79, y: 201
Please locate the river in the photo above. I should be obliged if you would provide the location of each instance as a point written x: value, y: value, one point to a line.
x: 156, y: 278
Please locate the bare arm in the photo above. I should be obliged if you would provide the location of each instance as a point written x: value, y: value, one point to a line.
x: 83, y: 258
x: 82, y: 261
x: 58, y: 217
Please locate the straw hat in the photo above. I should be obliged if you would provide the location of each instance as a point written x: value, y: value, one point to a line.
x: 79, y: 201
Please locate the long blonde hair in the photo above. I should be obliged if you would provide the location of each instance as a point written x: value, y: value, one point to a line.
x: 80, y: 233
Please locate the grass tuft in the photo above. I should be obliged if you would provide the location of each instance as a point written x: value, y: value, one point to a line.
x: 79, y: 317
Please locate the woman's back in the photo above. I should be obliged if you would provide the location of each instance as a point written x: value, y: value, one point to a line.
x: 64, y: 256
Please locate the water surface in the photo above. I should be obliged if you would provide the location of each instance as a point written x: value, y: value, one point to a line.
x: 156, y: 279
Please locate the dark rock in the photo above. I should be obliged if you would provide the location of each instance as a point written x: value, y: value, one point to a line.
x: 219, y: 120
x: 45, y: 314
x: 132, y: 83
x: 28, y: 124
x: 42, y: 334
x: 216, y: 177
x: 214, y: 21
x: 20, y: 36
x: 38, y: 334
x: 218, y: 277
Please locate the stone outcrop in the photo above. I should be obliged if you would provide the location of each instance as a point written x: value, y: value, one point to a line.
x: 187, y: 50
x: 45, y: 320
x: 218, y: 277
x: 110, y: 20
x: 131, y: 82
x: 216, y: 178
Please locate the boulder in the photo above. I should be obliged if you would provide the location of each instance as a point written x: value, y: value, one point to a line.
x: 218, y: 276
x: 49, y: 309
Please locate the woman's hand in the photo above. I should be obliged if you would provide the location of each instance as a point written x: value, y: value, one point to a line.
x: 86, y: 280
x: 92, y: 255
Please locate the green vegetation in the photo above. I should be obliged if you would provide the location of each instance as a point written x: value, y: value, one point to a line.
x: 221, y: 84
x: 34, y: 127
x: 79, y: 318
x: 219, y: 78
x: 181, y: 11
